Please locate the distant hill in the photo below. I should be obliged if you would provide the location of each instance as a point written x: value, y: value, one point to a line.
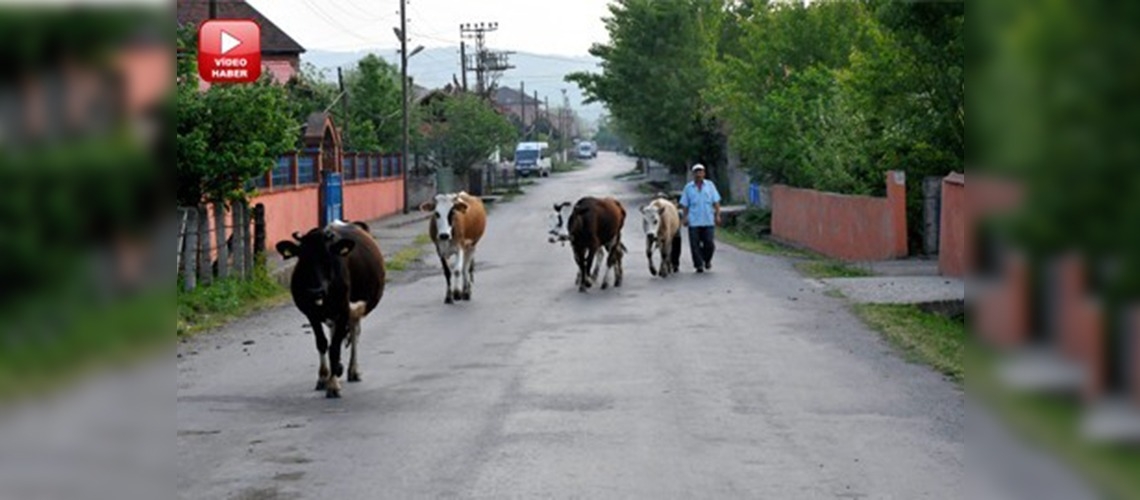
x: 435, y: 67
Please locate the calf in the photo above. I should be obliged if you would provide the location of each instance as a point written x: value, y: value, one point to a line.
x: 593, y: 228
x: 338, y: 279
x: 457, y: 224
x: 662, y: 224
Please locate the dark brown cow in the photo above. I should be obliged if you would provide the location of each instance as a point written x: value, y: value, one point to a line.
x: 339, y: 278
x: 593, y: 227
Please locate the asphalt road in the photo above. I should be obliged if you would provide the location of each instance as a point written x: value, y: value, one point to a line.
x: 746, y: 382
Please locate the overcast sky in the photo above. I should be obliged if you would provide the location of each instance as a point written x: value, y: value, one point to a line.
x: 562, y: 27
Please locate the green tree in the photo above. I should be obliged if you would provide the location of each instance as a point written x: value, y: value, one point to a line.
x: 464, y: 131
x: 374, y: 93
x: 228, y: 134
x: 653, y: 77
x: 309, y: 91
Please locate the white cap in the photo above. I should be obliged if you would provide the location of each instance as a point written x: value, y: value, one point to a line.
x: 698, y: 167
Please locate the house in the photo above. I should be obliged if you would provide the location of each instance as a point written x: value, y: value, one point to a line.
x: 525, y: 109
x: 280, y: 53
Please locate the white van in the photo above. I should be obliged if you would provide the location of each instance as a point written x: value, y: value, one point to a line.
x: 532, y: 157
x: 585, y: 150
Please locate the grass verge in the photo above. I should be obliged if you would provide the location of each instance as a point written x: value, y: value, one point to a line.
x: 924, y: 337
x: 404, y: 258
x: 632, y: 173
x: 1054, y: 424
x: 49, y: 342
x: 559, y: 167
x: 757, y: 245
x: 422, y: 239
x: 829, y: 269
x: 225, y: 300
x: 812, y: 265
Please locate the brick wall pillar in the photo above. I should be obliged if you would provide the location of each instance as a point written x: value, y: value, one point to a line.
x: 896, y: 199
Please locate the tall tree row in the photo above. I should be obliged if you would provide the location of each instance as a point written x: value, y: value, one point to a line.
x: 827, y: 95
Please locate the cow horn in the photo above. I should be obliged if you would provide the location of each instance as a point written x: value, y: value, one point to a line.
x: 297, y: 235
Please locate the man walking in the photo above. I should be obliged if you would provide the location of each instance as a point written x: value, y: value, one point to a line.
x: 700, y: 211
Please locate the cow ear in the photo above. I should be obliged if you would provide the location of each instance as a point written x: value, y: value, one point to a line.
x: 343, y: 247
x: 287, y: 249
x: 461, y: 207
x: 427, y: 206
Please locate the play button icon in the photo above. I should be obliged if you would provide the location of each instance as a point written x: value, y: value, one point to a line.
x: 229, y: 51
x: 229, y: 42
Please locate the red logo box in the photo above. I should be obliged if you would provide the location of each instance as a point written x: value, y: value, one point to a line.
x: 229, y: 51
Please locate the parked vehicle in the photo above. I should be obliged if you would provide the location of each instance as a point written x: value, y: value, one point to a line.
x: 585, y: 150
x: 532, y: 157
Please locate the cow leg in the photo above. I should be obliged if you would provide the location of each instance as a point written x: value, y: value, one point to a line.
x: 469, y: 273
x: 446, y: 276
x: 322, y: 350
x: 619, y: 272
x: 357, y: 313
x: 675, y: 252
x: 332, y: 390
x: 649, y: 243
x: 607, y: 257
x: 583, y: 269
x: 353, y: 368
x: 458, y: 280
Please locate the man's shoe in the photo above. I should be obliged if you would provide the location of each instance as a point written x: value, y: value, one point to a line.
x: 708, y: 265
x: 700, y: 270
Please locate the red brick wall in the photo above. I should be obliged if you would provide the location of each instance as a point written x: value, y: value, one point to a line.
x: 367, y: 200
x: 288, y: 210
x: 841, y: 226
x: 297, y: 209
x: 952, y: 239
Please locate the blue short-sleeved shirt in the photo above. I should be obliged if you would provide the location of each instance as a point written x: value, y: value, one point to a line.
x: 700, y: 202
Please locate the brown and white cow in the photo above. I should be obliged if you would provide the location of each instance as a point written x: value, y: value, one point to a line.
x: 662, y: 223
x: 457, y: 223
x: 593, y: 228
x: 338, y: 279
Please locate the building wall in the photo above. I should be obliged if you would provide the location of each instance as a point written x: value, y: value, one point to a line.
x: 840, y: 226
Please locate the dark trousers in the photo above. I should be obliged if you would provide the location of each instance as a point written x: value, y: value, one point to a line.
x: 701, y: 245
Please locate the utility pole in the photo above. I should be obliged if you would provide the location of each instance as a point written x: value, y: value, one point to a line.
x: 488, y: 64
x: 404, y: 94
x: 522, y: 110
x: 343, y: 102
x: 213, y: 9
x: 565, y: 125
x: 463, y: 62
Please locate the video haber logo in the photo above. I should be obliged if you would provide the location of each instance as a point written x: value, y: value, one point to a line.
x: 229, y: 51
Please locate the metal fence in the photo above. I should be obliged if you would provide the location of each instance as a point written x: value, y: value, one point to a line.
x: 299, y: 168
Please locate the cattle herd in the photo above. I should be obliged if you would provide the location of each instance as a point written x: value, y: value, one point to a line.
x: 339, y: 276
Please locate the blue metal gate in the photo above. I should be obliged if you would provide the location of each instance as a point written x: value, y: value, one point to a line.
x: 332, y: 198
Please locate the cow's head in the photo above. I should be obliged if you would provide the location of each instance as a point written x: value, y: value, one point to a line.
x: 651, y: 219
x: 443, y: 211
x: 319, y: 256
x: 559, y: 222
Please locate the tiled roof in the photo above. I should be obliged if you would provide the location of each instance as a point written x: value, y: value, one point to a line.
x: 273, y: 39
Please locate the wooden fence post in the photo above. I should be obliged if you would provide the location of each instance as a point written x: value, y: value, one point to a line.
x: 205, y: 276
x: 237, y: 214
x: 247, y: 237
x: 190, y: 249
x: 220, y: 238
x: 259, y: 229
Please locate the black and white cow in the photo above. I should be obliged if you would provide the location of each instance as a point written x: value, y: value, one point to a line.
x: 338, y: 279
